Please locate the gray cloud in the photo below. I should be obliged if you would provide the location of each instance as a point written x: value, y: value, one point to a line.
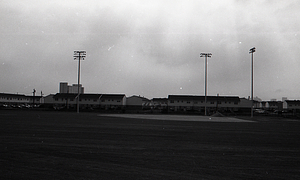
x: 151, y: 48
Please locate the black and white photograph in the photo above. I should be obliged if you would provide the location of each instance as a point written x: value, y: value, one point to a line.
x: 160, y: 89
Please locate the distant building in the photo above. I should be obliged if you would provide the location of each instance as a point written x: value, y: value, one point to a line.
x: 159, y: 103
x: 137, y: 101
x: 68, y: 100
x: 264, y: 105
x: 197, y: 103
x: 35, y: 99
x: 19, y: 99
x: 275, y: 105
x: 48, y: 100
x: 65, y: 88
x: 6, y: 98
x: 113, y: 100
x: 293, y: 104
x: 284, y: 104
x: 74, y: 89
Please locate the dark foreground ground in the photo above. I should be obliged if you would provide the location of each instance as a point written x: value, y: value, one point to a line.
x: 60, y: 145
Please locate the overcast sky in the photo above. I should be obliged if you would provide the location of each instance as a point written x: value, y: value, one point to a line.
x: 151, y: 48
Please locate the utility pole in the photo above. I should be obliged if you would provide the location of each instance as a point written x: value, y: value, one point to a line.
x: 42, y: 100
x: 33, y: 97
x: 205, y: 89
x: 79, y: 55
x: 217, y: 103
x: 251, y: 51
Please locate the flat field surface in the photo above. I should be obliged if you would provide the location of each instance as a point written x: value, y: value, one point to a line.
x: 177, y: 117
x: 64, y: 145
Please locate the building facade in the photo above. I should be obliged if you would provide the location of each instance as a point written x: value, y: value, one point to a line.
x: 159, y: 103
x: 65, y: 88
x: 293, y: 105
x: 136, y: 101
x: 185, y: 103
x: 86, y: 101
x: 19, y: 100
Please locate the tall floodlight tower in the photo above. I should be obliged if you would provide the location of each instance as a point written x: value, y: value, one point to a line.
x: 80, y: 55
x: 205, y: 89
x: 251, y: 51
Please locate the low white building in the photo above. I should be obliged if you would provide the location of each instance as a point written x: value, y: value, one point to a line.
x: 159, y: 103
x: 113, y: 100
x: 69, y: 100
x: 190, y: 102
x: 293, y: 104
x: 19, y: 99
x: 137, y: 101
x: 6, y: 98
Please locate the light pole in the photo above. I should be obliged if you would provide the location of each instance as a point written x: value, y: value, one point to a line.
x: 251, y: 51
x: 205, y: 55
x: 33, y: 97
x: 79, y: 55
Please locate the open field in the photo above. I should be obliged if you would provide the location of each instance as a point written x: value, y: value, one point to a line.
x: 64, y: 145
x: 177, y: 117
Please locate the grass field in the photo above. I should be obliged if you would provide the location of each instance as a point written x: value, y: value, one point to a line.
x: 64, y: 145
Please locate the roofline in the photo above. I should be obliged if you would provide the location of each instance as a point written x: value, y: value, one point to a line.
x: 194, y: 97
